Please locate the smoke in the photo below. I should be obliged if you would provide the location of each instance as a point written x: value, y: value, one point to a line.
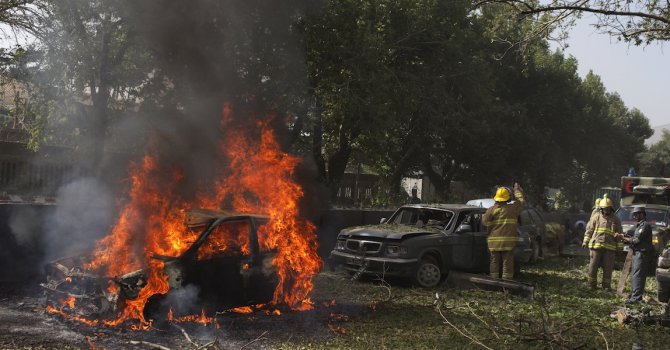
x: 83, y: 214
x: 204, y: 53
x: 183, y: 301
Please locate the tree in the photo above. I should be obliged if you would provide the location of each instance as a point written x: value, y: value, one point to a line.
x: 21, y: 15
x: 396, y: 82
x: 656, y: 160
x: 636, y: 21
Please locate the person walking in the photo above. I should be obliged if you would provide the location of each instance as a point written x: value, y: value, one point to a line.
x: 643, y: 250
x: 501, y: 224
x: 601, y: 236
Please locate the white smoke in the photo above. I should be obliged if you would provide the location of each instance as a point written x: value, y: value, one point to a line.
x: 84, y: 213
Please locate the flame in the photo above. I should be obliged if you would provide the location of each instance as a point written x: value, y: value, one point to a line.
x: 242, y: 310
x: 70, y: 302
x: 52, y: 310
x: 200, y: 318
x: 256, y: 176
x: 265, y: 171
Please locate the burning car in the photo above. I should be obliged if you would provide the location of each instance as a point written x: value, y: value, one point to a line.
x: 223, y: 261
x: 422, y: 242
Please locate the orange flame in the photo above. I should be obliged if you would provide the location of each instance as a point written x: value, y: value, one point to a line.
x: 70, y: 301
x: 257, y: 179
x: 242, y: 310
x: 201, y: 318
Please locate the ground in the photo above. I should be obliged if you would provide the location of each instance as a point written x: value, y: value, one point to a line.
x: 371, y: 314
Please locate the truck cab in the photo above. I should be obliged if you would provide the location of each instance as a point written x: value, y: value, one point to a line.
x: 653, y: 193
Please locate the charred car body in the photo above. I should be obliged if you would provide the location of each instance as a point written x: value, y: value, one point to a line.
x: 226, y: 271
x: 422, y: 242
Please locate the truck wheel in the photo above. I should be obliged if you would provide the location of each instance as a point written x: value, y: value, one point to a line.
x: 428, y: 273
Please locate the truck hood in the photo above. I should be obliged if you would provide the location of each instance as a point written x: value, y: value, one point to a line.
x: 388, y: 231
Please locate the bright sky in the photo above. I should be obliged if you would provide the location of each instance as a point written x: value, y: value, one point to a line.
x: 641, y: 75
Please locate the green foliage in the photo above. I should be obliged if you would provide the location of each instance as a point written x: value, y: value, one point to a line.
x: 656, y: 160
x: 405, y: 86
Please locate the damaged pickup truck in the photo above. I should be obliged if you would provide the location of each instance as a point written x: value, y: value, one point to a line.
x: 224, y: 264
x: 422, y: 242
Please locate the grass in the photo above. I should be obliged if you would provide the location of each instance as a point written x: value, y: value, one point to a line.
x: 563, y: 315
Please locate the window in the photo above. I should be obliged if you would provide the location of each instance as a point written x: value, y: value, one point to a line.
x: 474, y: 219
x: 429, y: 217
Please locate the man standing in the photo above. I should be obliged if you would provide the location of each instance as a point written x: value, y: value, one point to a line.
x: 643, y: 249
x: 601, y: 236
x: 501, y: 223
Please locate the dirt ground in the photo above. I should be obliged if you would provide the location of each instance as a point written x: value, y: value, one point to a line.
x: 25, y: 325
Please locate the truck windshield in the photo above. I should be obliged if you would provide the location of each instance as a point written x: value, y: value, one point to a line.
x: 654, y: 216
x: 422, y: 217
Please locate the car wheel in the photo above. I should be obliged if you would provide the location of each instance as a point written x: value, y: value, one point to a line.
x: 428, y: 273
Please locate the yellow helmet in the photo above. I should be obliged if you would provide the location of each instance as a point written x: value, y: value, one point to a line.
x: 502, y: 195
x: 606, y: 202
x: 598, y: 200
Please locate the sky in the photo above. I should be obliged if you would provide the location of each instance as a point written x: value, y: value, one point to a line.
x: 640, y: 75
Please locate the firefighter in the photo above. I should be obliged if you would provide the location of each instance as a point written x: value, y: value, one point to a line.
x: 643, y: 251
x: 602, y: 234
x: 501, y: 224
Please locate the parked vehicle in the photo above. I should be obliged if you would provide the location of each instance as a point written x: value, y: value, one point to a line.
x: 530, y: 222
x: 653, y: 193
x: 422, y: 242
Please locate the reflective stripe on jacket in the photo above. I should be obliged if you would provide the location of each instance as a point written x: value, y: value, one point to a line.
x: 501, y: 223
x: 601, y: 230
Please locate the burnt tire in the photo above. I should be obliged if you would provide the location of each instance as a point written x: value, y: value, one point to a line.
x: 427, y: 273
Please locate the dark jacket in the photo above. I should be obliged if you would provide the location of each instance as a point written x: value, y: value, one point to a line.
x: 641, y: 239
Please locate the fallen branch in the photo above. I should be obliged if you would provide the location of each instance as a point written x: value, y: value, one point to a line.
x: 253, y: 341
x: 183, y: 331
x: 151, y: 345
x: 472, y: 338
x: 472, y: 311
x: 210, y: 344
x: 607, y: 345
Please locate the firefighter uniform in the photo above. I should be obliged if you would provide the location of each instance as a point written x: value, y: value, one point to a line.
x: 601, y: 237
x: 501, y: 224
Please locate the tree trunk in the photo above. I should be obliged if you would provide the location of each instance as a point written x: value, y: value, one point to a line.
x: 317, y: 147
x: 400, y: 168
